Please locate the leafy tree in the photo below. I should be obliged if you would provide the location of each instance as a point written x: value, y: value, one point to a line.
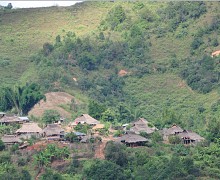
x: 197, y: 41
x: 22, y: 98
x: 213, y: 129
x: 116, y: 16
x: 9, y: 6
x: 51, y: 175
x: 87, y: 61
x: 50, y: 116
x: 96, y: 109
x: 72, y: 137
x: 47, y: 48
x: 102, y: 169
x: 174, y: 139
x: 109, y: 115
x: 82, y: 128
x: 215, y: 42
x: 2, y: 145
x: 116, y: 153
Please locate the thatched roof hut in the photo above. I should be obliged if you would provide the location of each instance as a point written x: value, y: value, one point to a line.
x: 172, y: 130
x: 53, y: 130
x: 29, y: 128
x: 86, y: 119
x: 12, y: 119
x: 10, y: 139
x: 190, y: 137
x: 132, y: 140
x: 142, y: 125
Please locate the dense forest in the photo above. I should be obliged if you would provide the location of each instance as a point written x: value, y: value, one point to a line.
x: 171, y: 78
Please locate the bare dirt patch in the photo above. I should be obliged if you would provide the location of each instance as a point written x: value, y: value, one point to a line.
x: 53, y: 101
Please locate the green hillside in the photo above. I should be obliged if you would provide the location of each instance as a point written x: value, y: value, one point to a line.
x: 24, y: 31
x: 155, y: 45
x: 165, y: 49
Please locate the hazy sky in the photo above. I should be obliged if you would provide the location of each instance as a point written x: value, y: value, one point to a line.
x: 27, y: 4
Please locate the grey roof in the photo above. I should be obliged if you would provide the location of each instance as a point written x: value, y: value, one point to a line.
x: 29, y: 128
x: 142, y: 126
x: 85, y: 118
x: 131, y: 138
x: 53, y: 129
x: 79, y: 133
x: 10, y: 139
x: 190, y: 135
x: 24, y: 118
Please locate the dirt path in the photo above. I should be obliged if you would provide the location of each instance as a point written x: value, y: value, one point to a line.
x: 99, y: 151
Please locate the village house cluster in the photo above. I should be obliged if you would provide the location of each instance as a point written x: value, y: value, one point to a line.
x: 132, y: 133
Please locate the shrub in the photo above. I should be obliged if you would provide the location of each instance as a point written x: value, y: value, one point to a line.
x: 174, y: 139
x: 2, y: 145
x: 50, y: 116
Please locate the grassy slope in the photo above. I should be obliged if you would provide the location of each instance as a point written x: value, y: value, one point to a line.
x: 24, y: 31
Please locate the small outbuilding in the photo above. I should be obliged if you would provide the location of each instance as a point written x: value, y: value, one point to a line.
x: 132, y: 140
x: 53, y: 132
x: 11, y: 139
x: 189, y: 137
x: 86, y: 119
x: 29, y: 129
x: 142, y: 125
x: 173, y: 130
x: 13, y: 120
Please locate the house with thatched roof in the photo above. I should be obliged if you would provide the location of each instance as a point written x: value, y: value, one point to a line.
x: 142, y: 125
x: 173, y: 130
x: 13, y: 120
x: 53, y: 132
x: 86, y: 119
x: 29, y: 129
x: 132, y: 140
x: 189, y: 137
x: 11, y: 139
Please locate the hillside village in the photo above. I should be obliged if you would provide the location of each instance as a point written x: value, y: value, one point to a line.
x: 110, y: 90
x: 134, y: 134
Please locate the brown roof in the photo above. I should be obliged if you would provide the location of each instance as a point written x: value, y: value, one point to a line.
x: 53, y: 129
x: 131, y: 138
x: 190, y: 135
x: 10, y: 139
x: 29, y: 128
x: 10, y: 119
x: 98, y: 126
x: 85, y: 118
x: 172, y: 130
x: 142, y: 126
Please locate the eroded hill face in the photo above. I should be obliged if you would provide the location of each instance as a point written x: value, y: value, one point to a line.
x: 54, y: 100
